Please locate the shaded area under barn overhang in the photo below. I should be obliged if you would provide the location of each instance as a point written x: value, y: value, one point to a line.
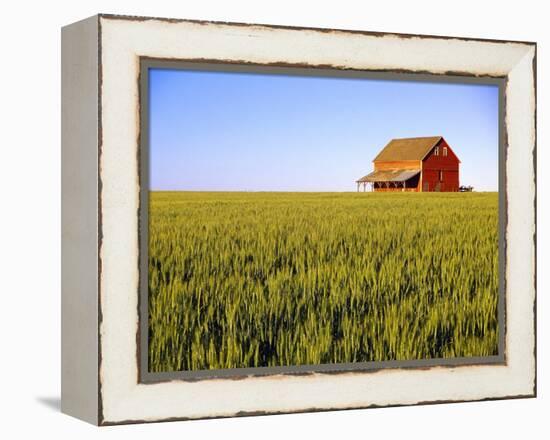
x: 389, y: 176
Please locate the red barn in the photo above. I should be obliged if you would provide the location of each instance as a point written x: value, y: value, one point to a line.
x: 421, y: 164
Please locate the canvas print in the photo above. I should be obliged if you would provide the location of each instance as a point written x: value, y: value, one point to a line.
x: 305, y: 220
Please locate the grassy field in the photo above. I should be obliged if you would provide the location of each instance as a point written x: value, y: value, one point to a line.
x: 276, y: 279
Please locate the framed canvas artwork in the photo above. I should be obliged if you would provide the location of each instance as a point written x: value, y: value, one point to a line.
x: 265, y: 219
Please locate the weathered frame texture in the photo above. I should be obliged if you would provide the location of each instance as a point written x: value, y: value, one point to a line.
x: 101, y: 61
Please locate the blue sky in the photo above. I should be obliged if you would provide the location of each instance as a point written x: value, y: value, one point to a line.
x: 215, y: 131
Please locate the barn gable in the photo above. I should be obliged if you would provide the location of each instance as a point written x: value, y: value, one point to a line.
x: 442, y: 144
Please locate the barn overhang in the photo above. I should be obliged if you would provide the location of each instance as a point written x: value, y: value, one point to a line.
x: 389, y: 176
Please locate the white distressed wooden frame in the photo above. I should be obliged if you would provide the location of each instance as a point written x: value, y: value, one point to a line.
x: 100, y: 201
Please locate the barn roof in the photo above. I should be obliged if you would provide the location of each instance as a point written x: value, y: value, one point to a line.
x: 407, y: 149
x: 389, y: 176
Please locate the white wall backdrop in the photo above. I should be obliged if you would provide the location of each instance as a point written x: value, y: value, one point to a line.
x: 30, y: 216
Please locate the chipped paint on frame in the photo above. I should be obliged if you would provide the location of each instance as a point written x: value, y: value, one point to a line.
x: 122, y: 398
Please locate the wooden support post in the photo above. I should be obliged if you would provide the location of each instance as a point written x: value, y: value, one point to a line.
x: 358, y: 185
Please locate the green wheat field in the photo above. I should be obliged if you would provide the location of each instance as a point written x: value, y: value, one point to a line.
x: 278, y: 279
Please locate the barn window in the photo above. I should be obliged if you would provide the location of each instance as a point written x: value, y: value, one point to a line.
x: 444, y: 151
x: 436, y: 151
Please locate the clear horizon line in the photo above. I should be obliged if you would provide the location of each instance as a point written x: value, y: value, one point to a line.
x: 294, y: 191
